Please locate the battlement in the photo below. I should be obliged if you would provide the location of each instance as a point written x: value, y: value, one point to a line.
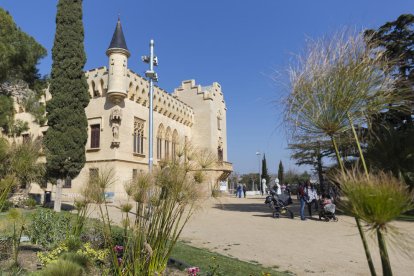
x: 138, y: 91
x: 210, y: 92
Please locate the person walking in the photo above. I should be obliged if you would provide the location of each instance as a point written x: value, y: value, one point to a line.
x: 303, y: 197
x: 239, y: 190
x: 244, y: 190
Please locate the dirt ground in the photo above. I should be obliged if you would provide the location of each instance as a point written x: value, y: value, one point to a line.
x: 244, y: 229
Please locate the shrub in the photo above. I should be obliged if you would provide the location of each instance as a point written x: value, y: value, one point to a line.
x: 30, y: 203
x: 6, y: 206
x: 86, y: 254
x: 92, y: 233
x: 118, y: 236
x: 48, y: 227
x: 52, y: 256
x: 80, y: 259
x: 62, y: 268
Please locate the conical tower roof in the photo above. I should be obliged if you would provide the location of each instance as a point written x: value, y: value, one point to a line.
x: 118, y: 39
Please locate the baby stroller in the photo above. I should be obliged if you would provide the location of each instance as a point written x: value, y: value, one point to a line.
x: 279, y: 203
x: 327, y: 212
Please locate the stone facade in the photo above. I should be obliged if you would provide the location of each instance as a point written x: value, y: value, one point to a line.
x: 118, y: 115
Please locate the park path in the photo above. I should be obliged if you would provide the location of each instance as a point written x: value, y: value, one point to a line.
x: 244, y: 228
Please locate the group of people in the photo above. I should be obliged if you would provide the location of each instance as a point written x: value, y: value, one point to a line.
x: 308, y: 195
x: 241, y: 188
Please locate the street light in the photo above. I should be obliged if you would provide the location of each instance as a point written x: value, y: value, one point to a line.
x: 152, y: 61
x: 260, y: 174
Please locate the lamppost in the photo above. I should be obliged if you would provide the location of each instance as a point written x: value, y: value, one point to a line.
x: 152, y: 61
x: 260, y: 174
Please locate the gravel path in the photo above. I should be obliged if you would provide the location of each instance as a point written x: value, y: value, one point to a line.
x: 244, y: 229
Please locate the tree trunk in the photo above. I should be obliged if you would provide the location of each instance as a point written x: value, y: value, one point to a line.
x: 58, y: 196
x: 320, y: 172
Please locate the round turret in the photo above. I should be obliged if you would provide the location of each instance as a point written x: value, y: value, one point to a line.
x: 118, y: 64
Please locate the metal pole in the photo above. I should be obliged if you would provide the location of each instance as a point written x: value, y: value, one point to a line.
x: 260, y: 176
x: 151, y: 96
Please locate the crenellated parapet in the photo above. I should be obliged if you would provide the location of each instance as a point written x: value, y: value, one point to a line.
x: 208, y: 93
x: 138, y: 91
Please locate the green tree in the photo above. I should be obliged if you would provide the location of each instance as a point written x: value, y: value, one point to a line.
x: 67, y: 134
x: 251, y: 180
x: 265, y: 173
x: 390, y: 148
x: 19, y: 56
x: 19, y: 166
x: 293, y: 177
x: 280, y: 172
x: 19, y: 52
x: 6, y: 112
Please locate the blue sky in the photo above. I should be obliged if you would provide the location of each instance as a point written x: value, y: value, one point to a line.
x: 239, y: 44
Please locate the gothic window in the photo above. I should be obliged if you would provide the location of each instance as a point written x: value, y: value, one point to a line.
x: 95, y: 91
x: 174, y: 144
x: 95, y: 136
x: 138, y: 136
x: 160, y: 134
x: 167, y: 142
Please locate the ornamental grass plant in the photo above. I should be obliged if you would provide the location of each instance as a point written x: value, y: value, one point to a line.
x: 163, y: 201
x: 339, y: 83
x: 377, y: 199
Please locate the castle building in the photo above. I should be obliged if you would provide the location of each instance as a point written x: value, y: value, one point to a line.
x: 118, y: 122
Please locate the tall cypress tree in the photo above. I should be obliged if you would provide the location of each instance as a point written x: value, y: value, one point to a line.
x: 265, y: 173
x: 67, y: 134
x: 280, y: 173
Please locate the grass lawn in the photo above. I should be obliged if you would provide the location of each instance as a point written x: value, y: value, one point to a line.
x: 208, y: 261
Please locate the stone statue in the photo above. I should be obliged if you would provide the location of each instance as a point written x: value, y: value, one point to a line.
x: 264, y: 187
x: 115, y: 118
x: 115, y: 131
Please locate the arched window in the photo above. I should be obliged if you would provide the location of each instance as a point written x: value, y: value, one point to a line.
x: 138, y: 135
x: 160, y: 134
x: 167, y: 143
x: 174, y: 144
x: 131, y: 95
x: 102, y: 88
x: 95, y: 90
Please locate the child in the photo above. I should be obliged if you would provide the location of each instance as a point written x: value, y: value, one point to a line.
x: 326, y: 199
x: 327, y: 204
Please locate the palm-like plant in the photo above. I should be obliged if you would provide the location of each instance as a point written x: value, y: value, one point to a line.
x: 164, y: 202
x: 339, y: 83
x: 377, y: 200
x: 336, y: 84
